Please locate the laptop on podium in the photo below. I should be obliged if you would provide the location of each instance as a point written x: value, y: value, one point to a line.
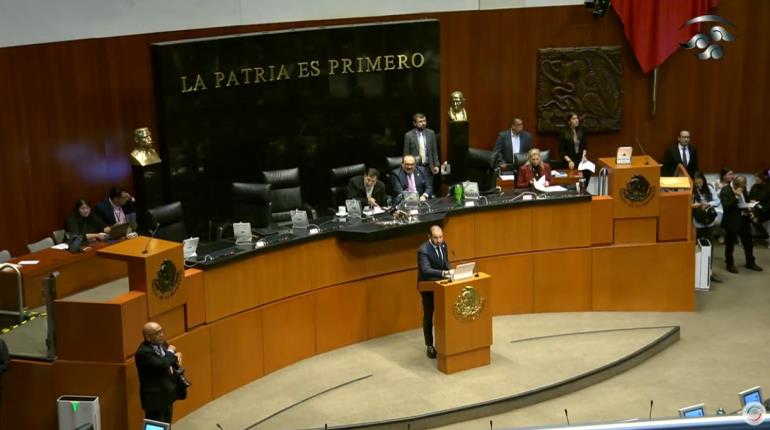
x: 464, y: 271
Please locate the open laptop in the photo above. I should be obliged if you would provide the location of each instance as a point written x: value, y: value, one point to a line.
x: 119, y: 231
x: 464, y: 271
x: 242, y: 232
x: 190, y: 248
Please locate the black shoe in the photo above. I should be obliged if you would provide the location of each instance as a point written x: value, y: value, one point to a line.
x: 753, y: 266
x: 431, y: 352
x: 732, y: 269
x: 715, y: 278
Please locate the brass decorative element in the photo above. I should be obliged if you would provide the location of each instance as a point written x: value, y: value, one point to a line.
x: 637, y: 192
x: 167, y: 280
x: 457, y: 111
x: 144, y: 154
x: 587, y: 81
x: 469, y: 305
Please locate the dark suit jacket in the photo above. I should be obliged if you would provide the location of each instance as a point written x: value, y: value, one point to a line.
x: 733, y: 215
x: 411, y: 146
x: 429, y: 264
x: 400, y: 183
x: 157, y: 388
x: 104, y: 211
x: 673, y: 157
x: 504, y: 146
x: 526, y: 174
x: 357, y: 190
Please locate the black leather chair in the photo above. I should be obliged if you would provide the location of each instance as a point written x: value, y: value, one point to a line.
x: 285, y: 194
x: 170, y: 221
x: 480, y: 168
x: 340, y: 176
x: 519, y: 160
x: 251, y: 203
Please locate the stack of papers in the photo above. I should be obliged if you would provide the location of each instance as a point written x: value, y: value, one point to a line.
x: 540, y: 186
x: 587, y: 165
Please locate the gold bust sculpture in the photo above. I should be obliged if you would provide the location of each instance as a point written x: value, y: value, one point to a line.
x: 457, y: 107
x: 144, y: 154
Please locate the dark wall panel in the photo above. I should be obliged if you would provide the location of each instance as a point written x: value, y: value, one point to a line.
x: 67, y: 109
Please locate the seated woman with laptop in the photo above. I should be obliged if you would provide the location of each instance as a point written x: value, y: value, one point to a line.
x: 82, y: 222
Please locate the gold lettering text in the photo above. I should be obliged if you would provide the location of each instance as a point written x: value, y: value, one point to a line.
x: 283, y: 73
x: 390, y: 62
x: 417, y: 56
x: 402, y: 59
x: 185, y: 88
x: 333, y: 64
x: 245, y: 75
x: 260, y: 75
x: 373, y: 66
x: 218, y: 78
x: 199, y: 84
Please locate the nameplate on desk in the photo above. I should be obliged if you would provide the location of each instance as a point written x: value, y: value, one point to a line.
x: 414, y: 211
x: 260, y: 244
x: 470, y: 204
x: 526, y: 197
x: 313, y: 231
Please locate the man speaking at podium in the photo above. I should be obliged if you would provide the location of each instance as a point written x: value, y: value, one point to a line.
x: 433, y: 265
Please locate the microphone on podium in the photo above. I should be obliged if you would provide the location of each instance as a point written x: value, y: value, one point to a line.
x: 639, y: 144
x: 650, y: 417
x: 566, y: 414
x: 152, y: 235
x: 459, y: 260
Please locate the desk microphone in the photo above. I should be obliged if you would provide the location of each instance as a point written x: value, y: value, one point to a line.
x: 566, y: 414
x: 646, y: 162
x: 459, y: 260
x: 219, y: 427
x: 650, y: 417
x: 152, y: 235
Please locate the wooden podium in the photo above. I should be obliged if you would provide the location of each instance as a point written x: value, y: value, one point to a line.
x: 463, y: 322
x: 635, y: 189
x: 156, y: 267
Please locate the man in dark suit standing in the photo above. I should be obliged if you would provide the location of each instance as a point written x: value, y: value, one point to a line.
x: 680, y: 153
x: 510, y: 142
x: 411, y: 177
x: 421, y: 142
x: 368, y: 189
x: 736, y: 222
x: 156, y: 361
x: 433, y: 265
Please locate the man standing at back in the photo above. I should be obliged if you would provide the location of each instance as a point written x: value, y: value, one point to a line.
x: 421, y: 142
x: 680, y: 153
x: 433, y: 265
x: 155, y: 363
x: 510, y: 142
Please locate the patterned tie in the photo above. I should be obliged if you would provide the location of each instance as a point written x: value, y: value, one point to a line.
x: 684, y: 156
x: 410, y: 180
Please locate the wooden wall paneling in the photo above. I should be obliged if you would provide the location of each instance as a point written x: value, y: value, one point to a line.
x: 635, y: 230
x: 135, y: 415
x: 460, y: 235
x: 504, y: 231
x: 655, y: 277
x: 133, y: 313
x: 561, y: 226
x: 388, y: 255
x: 288, y: 331
x: 340, y: 316
x: 233, y: 288
x: 172, y: 321
x: 601, y: 220
x: 511, y: 282
x: 23, y: 381
x: 195, y: 347
x: 236, y: 351
x: 562, y: 281
x: 675, y: 219
x: 102, y: 321
x: 107, y: 381
x: 393, y: 303
x: 195, y: 310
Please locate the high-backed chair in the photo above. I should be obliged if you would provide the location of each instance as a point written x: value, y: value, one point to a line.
x: 480, y: 168
x: 40, y: 244
x: 169, y: 220
x: 5, y: 255
x: 519, y: 160
x: 251, y: 203
x: 285, y: 194
x: 391, y: 163
x: 340, y: 176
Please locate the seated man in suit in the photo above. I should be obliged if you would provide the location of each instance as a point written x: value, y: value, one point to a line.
x: 411, y: 177
x: 368, y: 189
x: 509, y: 142
x: 736, y: 222
x: 115, y: 208
x: 433, y: 265
x: 532, y: 170
x: 682, y: 153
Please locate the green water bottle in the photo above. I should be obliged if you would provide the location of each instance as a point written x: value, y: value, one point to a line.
x: 459, y: 193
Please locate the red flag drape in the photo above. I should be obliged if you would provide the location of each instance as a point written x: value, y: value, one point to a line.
x: 652, y: 27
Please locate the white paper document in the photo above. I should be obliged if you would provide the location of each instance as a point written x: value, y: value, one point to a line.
x: 507, y: 176
x: 28, y: 262
x: 61, y: 246
x: 540, y: 186
x: 744, y: 205
x: 587, y: 165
